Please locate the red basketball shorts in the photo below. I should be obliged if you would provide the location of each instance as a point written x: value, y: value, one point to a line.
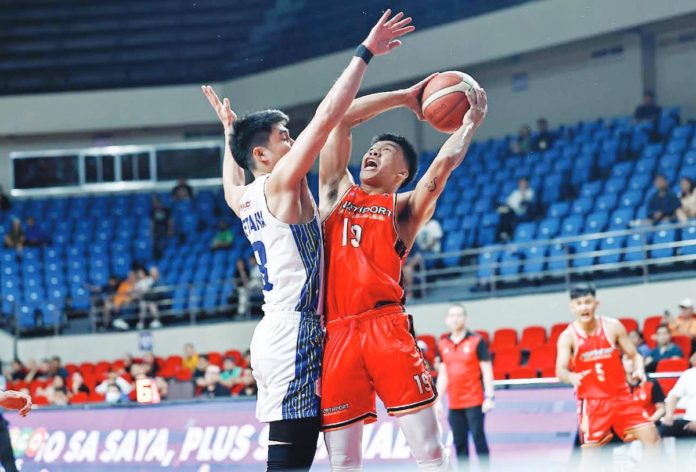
x: 368, y: 354
x: 598, y: 416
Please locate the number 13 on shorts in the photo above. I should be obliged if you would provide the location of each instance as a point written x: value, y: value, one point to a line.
x: 423, y: 382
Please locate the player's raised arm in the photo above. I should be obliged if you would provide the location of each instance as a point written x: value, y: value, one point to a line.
x: 422, y: 200
x: 232, y: 173
x: 334, y: 178
x: 13, y: 400
x: 293, y: 168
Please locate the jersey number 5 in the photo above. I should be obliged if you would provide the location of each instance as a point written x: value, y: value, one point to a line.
x: 260, y: 251
x: 356, y: 233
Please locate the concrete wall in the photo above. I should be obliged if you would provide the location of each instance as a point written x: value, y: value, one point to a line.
x: 636, y: 301
x: 676, y: 69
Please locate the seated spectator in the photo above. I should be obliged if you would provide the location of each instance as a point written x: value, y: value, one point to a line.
x: 665, y: 348
x: 544, y: 138
x: 247, y: 379
x: 78, y: 385
x: 519, y: 206
x: 182, y: 190
x: 683, y: 394
x: 223, y: 238
x: 663, y: 205
x: 523, y: 143
x: 687, y: 197
x: 199, y: 372
x: 639, y: 341
x: 648, y: 110
x: 55, y: 367
x: 429, y: 238
x: 685, y: 322
x: 212, y: 387
x: 649, y: 394
x: 123, y: 297
x: 231, y: 373
x: 56, y: 393
x: 16, y: 371
x: 128, y: 362
x: 14, y: 239
x: 33, y: 234
x: 5, y: 202
x: 103, y: 300
x: 36, y: 371
x: 144, y: 294
x: 150, y: 365
x: 190, y: 359
x: 249, y: 283
x: 162, y: 226
x: 115, y: 388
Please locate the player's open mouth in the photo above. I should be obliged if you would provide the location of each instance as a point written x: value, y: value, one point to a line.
x: 370, y: 163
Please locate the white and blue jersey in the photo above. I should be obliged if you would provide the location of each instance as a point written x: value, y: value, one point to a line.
x: 286, y: 349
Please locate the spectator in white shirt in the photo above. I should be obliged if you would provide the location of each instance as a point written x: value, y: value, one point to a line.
x: 519, y: 206
x: 114, y: 395
x: 683, y: 395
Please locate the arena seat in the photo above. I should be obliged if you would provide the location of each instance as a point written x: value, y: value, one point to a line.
x: 650, y: 325
x: 630, y: 324
x: 484, y: 334
x: 504, y: 360
x: 555, y: 332
x: 532, y: 337
x: 670, y: 365
x: 523, y: 372
x: 543, y: 358
x: 504, y: 338
x: 684, y: 343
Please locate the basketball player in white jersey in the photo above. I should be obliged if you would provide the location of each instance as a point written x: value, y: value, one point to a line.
x: 280, y: 219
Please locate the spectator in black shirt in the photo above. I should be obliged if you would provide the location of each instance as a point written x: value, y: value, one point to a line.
x: 648, y: 111
x: 664, y: 203
x: 55, y: 367
x: 5, y: 202
x: 544, y: 138
x: 199, y: 373
x: 162, y: 226
x: 33, y: 234
x: 182, y: 190
x: 213, y: 387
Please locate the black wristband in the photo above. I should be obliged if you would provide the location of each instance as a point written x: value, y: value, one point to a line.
x: 363, y: 53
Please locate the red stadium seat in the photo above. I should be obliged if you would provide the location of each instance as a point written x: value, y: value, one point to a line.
x: 532, y: 337
x: 215, y: 358
x: 650, y: 325
x: 505, y: 360
x: 86, y: 367
x: 504, y: 338
x: 684, y: 343
x: 484, y: 334
x: 38, y: 400
x: 79, y: 397
x: 173, y: 363
x: 670, y: 365
x: 556, y: 331
x: 630, y: 324
x: 102, y: 368
x: 71, y: 368
x: 236, y: 355
x: 118, y: 364
x: 548, y: 372
x: 524, y: 372
x: 543, y: 358
x: 184, y: 375
x: 95, y: 397
x: 431, y: 345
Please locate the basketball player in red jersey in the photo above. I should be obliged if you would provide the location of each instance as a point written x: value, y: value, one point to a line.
x: 590, y: 360
x: 368, y: 231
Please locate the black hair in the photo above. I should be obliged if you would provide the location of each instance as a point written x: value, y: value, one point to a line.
x: 253, y: 130
x: 408, y: 150
x: 582, y: 290
x: 663, y: 325
x: 649, y: 93
x: 690, y: 180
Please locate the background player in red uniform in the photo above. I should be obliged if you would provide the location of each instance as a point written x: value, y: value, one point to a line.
x: 368, y: 231
x: 589, y: 359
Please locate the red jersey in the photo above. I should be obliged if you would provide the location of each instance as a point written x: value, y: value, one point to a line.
x: 461, y: 360
x: 364, y: 255
x: 600, y: 359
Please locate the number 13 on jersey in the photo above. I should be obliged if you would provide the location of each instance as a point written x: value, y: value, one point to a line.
x: 355, y: 234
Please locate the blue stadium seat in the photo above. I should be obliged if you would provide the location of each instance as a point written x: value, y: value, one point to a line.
x: 551, y: 189
x: 639, y: 181
x: 615, y: 185
x: 486, y: 262
x: 620, y: 219
x: 682, y: 132
x: 646, y: 166
x: 591, y: 189
x: 534, y: 259
x: 559, y: 210
x: 548, y: 228
x: 652, y: 151
x: 51, y: 314
x: 669, y: 162
x: 677, y: 146
x: 634, y: 248
x: 454, y: 242
x: 622, y: 169
x: 689, y: 158
x: 510, y: 264
x: 613, y: 244
x: 557, y: 258
x: 596, y: 222
x: 605, y: 202
x: 689, y: 234
x: 631, y: 199
x: 571, y: 226
x: 663, y: 236
x: 582, y: 206
x: 581, y: 248
x: 26, y: 316
x: 525, y: 232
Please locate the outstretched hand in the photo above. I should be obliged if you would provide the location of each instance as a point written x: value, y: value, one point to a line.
x: 478, y: 106
x: 222, y: 108
x: 414, y: 94
x: 16, y: 400
x: 383, y: 36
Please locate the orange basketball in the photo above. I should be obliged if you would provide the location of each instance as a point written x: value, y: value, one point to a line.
x: 444, y: 101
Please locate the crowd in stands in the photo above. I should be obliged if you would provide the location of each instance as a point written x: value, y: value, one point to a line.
x: 191, y: 375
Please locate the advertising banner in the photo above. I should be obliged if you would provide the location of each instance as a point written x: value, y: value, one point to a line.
x: 224, y: 435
